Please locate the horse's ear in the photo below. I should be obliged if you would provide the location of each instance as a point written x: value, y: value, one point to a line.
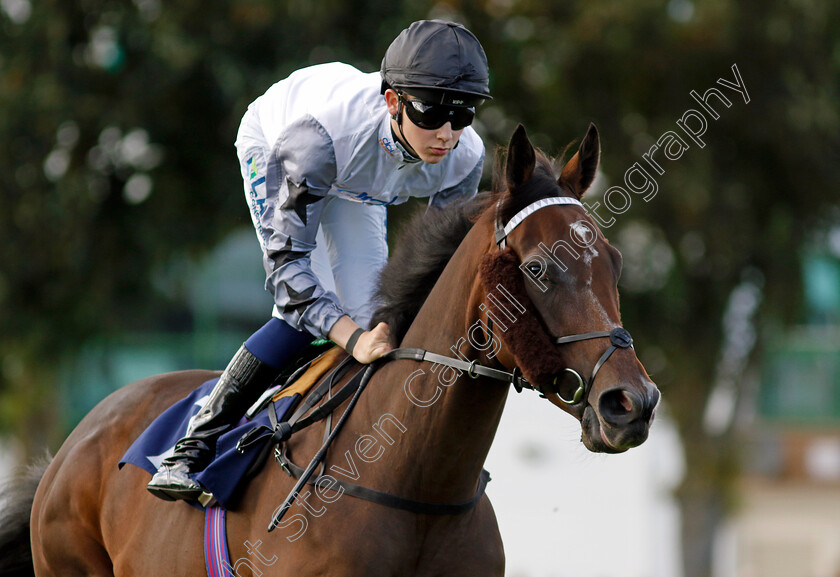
x: 521, y: 159
x: 579, y: 172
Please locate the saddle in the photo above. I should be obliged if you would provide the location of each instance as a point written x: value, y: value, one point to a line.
x: 306, y: 374
x: 230, y: 469
x: 291, y: 406
x: 317, y: 369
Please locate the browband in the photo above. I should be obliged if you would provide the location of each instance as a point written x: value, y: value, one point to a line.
x: 503, y: 231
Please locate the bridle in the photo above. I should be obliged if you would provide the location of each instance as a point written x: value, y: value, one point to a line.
x: 619, y: 337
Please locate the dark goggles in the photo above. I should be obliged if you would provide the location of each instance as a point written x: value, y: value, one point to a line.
x: 433, y: 116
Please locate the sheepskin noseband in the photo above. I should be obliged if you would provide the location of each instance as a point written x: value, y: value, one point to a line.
x: 522, y: 332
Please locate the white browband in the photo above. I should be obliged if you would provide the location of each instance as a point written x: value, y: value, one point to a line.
x: 532, y: 208
x: 501, y: 233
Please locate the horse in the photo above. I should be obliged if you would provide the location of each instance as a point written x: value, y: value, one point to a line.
x: 523, y: 294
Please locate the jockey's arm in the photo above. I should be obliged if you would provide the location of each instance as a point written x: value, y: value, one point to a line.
x: 307, y: 168
x: 303, y: 165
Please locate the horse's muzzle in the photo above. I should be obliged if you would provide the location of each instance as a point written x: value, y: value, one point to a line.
x: 620, y: 418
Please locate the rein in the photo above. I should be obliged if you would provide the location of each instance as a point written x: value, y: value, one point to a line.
x: 619, y: 339
x: 282, y: 431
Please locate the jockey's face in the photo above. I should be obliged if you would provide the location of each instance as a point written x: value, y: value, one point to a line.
x: 430, y: 145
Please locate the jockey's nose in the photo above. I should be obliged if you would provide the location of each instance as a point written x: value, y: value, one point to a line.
x: 445, y: 132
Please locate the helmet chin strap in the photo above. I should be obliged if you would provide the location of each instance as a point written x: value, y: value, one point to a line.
x: 399, y: 118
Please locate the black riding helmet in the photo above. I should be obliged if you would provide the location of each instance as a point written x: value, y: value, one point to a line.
x: 439, y: 62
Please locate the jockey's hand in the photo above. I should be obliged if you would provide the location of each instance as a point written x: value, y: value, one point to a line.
x: 373, y: 344
x: 370, y: 345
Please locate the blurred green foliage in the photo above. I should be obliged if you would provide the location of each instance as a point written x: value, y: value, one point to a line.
x: 117, y: 122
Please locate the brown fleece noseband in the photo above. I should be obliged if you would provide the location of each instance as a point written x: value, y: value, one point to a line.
x: 527, y: 337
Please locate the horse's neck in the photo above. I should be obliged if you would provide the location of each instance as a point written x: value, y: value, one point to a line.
x: 449, y: 426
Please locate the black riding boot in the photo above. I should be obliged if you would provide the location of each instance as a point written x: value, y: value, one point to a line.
x: 244, y: 380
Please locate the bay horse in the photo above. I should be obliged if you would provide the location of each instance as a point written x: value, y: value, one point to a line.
x: 524, y: 284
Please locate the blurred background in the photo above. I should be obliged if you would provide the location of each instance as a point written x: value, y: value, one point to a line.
x: 126, y: 247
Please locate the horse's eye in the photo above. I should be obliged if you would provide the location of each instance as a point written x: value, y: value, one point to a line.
x: 536, y: 271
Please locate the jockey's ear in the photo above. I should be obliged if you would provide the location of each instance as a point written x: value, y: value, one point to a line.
x: 579, y: 172
x: 392, y: 101
x: 521, y: 159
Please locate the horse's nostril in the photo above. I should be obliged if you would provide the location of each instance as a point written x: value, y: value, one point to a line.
x: 621, y: 406
x: 617, y: 407
x: 625, y: 402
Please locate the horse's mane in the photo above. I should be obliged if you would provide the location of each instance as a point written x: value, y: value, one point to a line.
x: 430, y: 238
x: 426, y: 244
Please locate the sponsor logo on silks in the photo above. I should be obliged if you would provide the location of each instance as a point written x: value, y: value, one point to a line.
x: 252, y: 168
x: 257, y: 198
x: 388, y: 146
x: 365, y: 197
x: 257, y: 209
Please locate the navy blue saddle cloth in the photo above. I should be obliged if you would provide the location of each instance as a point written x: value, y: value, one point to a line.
x: 228, y: 471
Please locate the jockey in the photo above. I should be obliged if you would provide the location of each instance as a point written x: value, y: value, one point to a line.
x: 322, y: 153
